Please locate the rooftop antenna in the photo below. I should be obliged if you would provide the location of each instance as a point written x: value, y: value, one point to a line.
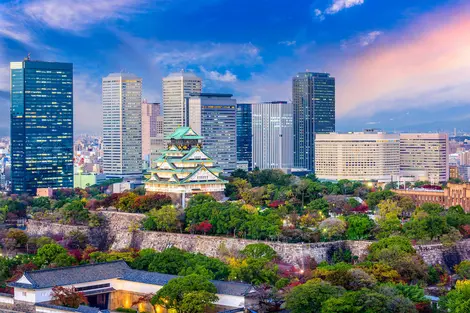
x: 28, y: 58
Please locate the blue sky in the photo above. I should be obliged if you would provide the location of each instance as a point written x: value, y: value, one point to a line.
x: 399, y: 65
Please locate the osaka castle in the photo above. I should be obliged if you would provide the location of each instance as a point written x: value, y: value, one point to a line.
x: 184, y: 169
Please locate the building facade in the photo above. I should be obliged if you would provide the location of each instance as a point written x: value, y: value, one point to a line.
x: 41, y: 125
x: 313, y: 99
x: 122, y: 125
x: 244, y: 135
x: 425, y: 156
x: 452, y: 194
x: 185, y: 169
x: 152, y: 131
x: 273, y: 135
x: 177, y: 88
x: 362, y: 156
x: 214, y: 116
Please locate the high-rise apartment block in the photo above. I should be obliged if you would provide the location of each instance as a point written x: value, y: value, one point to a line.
x: 425, y: 156
x: 41, y: 125
x: 214, y: 117
x: 122, y: 125
x: 313, y: 98
x: 273, y: 135
x: 152, y: 131
x: 244, y: 134
x: 361, y: 156
x: 177, y: 88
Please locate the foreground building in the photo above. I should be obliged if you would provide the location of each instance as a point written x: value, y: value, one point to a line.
x: 362, y: 156
x: 214, y: 117
x: 107, y: 286
x: 272, y: 135
x: 452, y: 194
x: 313, y: 99
x: 176, y: 89
x: 184, y: 169
x: 425, y: 156
x: 41, y: 125
x: 122, y: 125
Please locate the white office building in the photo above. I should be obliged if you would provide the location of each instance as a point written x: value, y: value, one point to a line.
x: 122, y: 125
x: 425, y: 156
x: 177, y: 88
x: 272, y: 124
x: 360, y: 156
x: 214, y: 117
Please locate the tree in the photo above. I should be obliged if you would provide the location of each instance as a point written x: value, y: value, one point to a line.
x: 165, y: 219
x: 389, y: 208
x: 374, y: 198
x: 186, y: 293
x: 463, y: 269
x: 19, y: 236
x: 332, y: 228
x: 75, y: 212
x: 432, y: 208
x: 68, y: 297
x: 259, y: 250
x: 359, y: 227
x: 64, y: 259
x: 457, y: 300
x: 47, y: 253
x: 41, y: 202
x: 310, y: 297
x: 76, y: 240
x: 254, y: 271
x: 126, y: 202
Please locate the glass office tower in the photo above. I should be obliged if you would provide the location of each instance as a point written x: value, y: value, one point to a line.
x: 244, y: 134
x: 313, y: 98
x: 41, y: 125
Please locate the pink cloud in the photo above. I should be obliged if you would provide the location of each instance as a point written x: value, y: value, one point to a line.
x: 421, y: 65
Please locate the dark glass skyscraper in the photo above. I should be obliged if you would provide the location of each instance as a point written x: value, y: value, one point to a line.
x: 41, y: 125
x: 244, y: 134
x: 313, y: 98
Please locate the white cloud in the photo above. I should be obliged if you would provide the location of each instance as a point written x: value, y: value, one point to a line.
x: 287, y: 43
x: 339, y: 5
x: 335, y: 7
x: 76, y: 15
x: 363, y: 40
x: 214, y: 75
x: 369, y: 38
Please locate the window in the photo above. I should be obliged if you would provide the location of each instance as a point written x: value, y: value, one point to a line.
x: 23, y: 293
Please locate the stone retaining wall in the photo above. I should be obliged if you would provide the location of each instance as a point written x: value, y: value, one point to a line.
x: 120, y: 233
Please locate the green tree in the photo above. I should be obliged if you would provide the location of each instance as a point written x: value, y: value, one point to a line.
x: 310, y: 297
x: 41, y: 202
x: 254, y: 271
x: 258, y: 250
x: 173, y: 294
x: 47, y: 253
x: 359, y: 227
x: 20, y: 237
x: 374, y: 198
x: 457, y: 300
x: 64, y: 259
x: 75, y: 212
x: 126, y: 202
x: 463, y: 269
x: 332, y: 228
x: 165, y: 219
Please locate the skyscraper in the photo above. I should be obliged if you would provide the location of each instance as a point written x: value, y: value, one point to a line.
x: 214, y: 116
x: 122, y: 125
x: 313, y: 98
x: 176, y: 90
x: 152, y: 131
x: 272, y: 135
x: 244, y: 134
x: 41, y: 125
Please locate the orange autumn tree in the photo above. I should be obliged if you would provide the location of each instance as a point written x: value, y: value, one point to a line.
x: 68, y: 297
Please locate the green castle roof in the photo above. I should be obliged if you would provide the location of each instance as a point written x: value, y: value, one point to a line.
x: 184, y: 132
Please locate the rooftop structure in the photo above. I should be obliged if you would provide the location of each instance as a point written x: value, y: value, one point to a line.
x: 185, y: 169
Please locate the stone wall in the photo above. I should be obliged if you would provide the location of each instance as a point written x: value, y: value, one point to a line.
x: 120, y: 232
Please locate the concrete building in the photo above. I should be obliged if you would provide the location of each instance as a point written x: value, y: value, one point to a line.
x: 273, y: 135
x: 362, y: 156
x: 214, y: 117
x: 152, y: 131
x: 244, y: 136
x: 425, y: 156
x: 107, y: 287
x: 313, y: 99
x: 41, y: 125
x: 122, y: 125
x: 177, y: 88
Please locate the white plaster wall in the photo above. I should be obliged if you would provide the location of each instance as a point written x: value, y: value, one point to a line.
x: 135, y: 287
x: 233, y: 301
x: 25, y: 295
x: 6, y: 300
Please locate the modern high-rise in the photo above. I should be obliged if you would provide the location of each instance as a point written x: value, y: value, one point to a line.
x: 361, y: 156
x: 425, y: 156
x: 214, y: 117
x: 122, y: 125
x: 273, y: 135
x: 177, y: 88
x: 152, y: 131
x: 41, y: 125
x: 244, y: 134
x: 313, y: 98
